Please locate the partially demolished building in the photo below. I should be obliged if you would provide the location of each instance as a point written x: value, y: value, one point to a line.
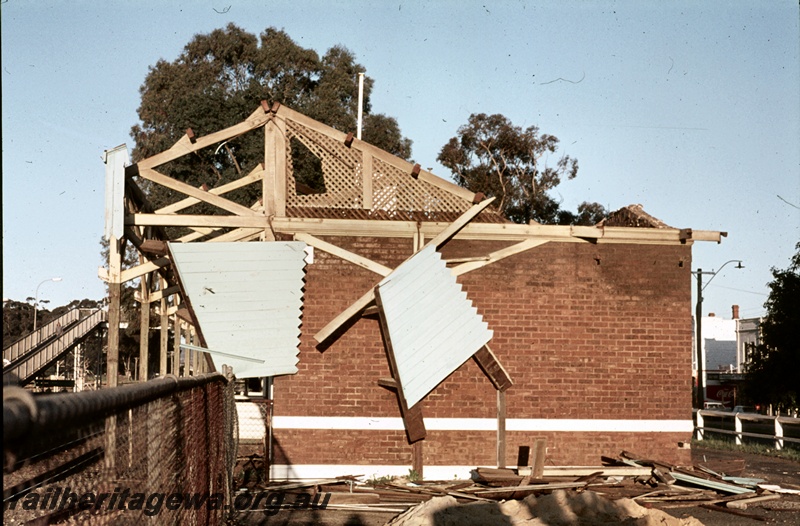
x: 403, y: 324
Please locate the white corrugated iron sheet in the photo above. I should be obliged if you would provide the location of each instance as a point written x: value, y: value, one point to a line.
x: 116, y: 160
x: 432, y: 325
x: 247, y: 298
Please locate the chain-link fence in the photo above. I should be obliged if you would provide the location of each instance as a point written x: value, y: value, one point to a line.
x: 160, y: 452
x: 253, y: 452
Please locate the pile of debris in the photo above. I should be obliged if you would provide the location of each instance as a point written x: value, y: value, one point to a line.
x: 559, y: 507
x: 628, y: 489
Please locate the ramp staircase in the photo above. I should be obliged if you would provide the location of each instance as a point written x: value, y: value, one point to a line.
x: 31, y: 355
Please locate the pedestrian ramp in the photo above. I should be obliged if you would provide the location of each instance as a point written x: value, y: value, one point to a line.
x: 31, y: 355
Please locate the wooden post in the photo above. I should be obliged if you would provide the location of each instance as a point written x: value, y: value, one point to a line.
x: 162, y: 364
x: 110, y: 452
x: 366, y: 180
x: 270, y: 176
x: 539, y: 451
x: 416, y: 462
x: 112, y: 358
x: 114, y: 297
x: 699, y: 425
x: 187, y: 354
x: 195, y: 354
x: 144, y: 327
x: 501, y: 429
x: 78, y: 368
x: 778, y: 434
x: 280, y: 165
x: 154, y: 429
x: 176, y: 346
x: 737, y: 426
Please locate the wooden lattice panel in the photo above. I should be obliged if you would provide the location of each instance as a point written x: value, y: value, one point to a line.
x: 394, y: 191
x: 341, y: 168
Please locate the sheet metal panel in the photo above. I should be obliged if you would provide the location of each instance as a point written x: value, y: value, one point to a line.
x: 247, y: 298
x: 432, y: 325
x: 116, y: 160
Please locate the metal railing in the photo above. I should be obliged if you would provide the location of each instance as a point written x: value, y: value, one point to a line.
x: 161, y: 452
x: 27, y: 365
x: 777, y: 430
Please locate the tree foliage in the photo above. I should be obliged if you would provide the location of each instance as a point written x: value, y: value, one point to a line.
x: 220, y: 78
x: 773, y: 368
x: 18, y: 320
x: 493, y: 156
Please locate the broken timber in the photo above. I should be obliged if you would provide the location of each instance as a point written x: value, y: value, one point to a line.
x: 364, y: 301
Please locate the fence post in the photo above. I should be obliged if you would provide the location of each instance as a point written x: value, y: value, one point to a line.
x: 737, y: 422
x: 700, y: 425
x: 153, y: 428
x: 110, y: 449
x: 778, y: 434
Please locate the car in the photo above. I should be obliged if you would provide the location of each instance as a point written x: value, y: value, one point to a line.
x: 714, y: 406
x: 744, y: 409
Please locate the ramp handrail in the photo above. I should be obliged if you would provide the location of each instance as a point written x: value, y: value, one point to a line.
x: 29, y: 342
x: 30, y: 364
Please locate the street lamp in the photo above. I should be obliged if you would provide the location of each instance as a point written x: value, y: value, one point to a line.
x: 36, y: 299
x: 698, y: 315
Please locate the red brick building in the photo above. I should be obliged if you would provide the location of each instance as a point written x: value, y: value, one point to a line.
x: 592, y: 324
x: 597, y: 339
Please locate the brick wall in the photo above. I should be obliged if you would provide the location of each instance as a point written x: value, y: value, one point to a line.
x: 585, y: 331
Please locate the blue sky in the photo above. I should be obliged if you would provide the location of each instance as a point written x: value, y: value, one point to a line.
x: 691, y: 109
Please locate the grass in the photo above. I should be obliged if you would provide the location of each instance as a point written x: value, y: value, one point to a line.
x: 378, y: 481
x: 788, y: 452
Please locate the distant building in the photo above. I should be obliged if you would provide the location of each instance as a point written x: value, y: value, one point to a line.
x: 748, y: 332
x: 720, y: 356
x: 725, y: 349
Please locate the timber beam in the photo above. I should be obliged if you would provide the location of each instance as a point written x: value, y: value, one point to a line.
x: 493, y: 369
x: 144, y: 268
x: 186, y: 145
x: 473, y: 231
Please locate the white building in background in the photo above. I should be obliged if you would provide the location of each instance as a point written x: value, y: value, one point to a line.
x: 719, y: 350
x: 725, y: 354
x: 748, y: 331
x: 719, y: 343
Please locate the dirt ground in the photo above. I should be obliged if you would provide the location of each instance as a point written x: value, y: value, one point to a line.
x: 784, y: 511
x: 781, y: 472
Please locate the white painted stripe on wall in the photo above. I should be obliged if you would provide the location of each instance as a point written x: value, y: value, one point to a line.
x: 324, y: 471
x: 368, y: 471
x: 338, y: 422
x: 600, y: 426
x: 565, y: 425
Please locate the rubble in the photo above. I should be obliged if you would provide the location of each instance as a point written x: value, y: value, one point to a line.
x: 559, y: 507
x: 628, y: 489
